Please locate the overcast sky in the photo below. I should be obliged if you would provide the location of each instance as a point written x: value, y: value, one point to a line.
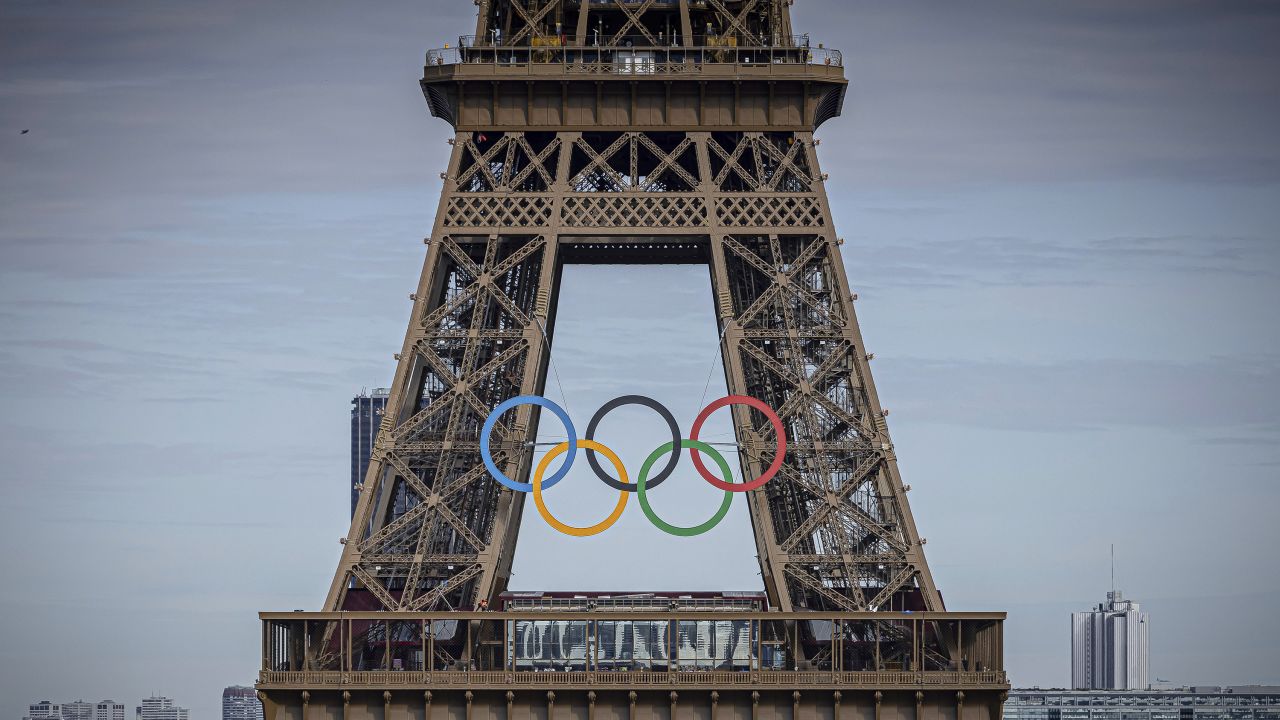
x: 1061, y: 219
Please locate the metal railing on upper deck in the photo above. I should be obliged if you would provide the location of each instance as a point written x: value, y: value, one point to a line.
x: 633, y: 56
x: 539, y: 647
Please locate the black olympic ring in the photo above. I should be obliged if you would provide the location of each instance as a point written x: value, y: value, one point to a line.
x: 656, y: 407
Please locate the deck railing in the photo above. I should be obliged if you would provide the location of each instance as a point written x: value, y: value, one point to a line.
x: 635, y: 59
x: 640, y: 647
x: 472, y: 679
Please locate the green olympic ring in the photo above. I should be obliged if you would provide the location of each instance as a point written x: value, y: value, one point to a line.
x: 644, y: 499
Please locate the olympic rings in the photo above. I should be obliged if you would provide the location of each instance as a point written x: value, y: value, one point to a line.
x: 634, y: 400
x: 643, y: 483
x: 777, y: 428
x: 487, y: 430
x: 570, y: 529
x: 644, y: 498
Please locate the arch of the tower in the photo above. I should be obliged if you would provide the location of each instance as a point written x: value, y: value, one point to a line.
x: 833, y: 530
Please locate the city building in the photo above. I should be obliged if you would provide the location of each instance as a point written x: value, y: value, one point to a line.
x: 1109, y: 646
x: 108, y: 710
x: 161, y: 708
x: 366, y: 415
x: 44, y: 710
x: 241, y: 703
x: 78, y: 710
x: 1243, y: 702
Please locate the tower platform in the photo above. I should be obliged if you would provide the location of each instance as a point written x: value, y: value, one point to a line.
x: 661, y: 657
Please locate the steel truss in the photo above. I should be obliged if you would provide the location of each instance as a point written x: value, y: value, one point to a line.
x: 833, y: 530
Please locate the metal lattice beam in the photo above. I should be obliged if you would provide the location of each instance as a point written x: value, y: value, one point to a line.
x: 833, y: 529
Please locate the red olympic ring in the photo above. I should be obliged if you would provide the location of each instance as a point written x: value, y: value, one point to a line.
x: 777, y: 428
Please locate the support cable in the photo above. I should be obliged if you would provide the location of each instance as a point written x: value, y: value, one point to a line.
x: 551, y: 359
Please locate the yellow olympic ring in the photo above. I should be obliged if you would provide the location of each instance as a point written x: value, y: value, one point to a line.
x: 569, y: 529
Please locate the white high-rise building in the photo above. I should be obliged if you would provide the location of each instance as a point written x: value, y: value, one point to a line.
x: 44, y: 710
x: 241, y: 703
x: 78, y: 710
x: 1109, y: 646
x: 108, y: 710
x: 161, y: 708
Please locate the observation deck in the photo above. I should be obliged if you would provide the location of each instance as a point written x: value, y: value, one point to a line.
x: 632, y: 649
x: 636, y: 57
x: 636, y: 83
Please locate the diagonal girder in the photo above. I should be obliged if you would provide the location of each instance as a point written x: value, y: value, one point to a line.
x: 897, y: 581
x: 634, y: 19
x: 785, y: 162
x: 482, y: 162
x: 732, y: 163
x: 537, y: 163
x: 837, y: 600
x: 425, y: 601
x: 531, y: 20
x: 600, y: 160
x: 738, y: 21
x: 668, y: 161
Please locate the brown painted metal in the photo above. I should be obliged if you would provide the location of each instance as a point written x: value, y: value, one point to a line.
x: 652, y: 146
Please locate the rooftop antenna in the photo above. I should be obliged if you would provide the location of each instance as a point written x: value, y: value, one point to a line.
x: 1113, y: 569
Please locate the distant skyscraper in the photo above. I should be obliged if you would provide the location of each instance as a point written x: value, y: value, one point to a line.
x: 241, y: 703
x: 161, y: 708
x: 108, y: 710
x: 1109, y: 646
x: 366, y: 414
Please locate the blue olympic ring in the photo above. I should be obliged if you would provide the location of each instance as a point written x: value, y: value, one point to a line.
x: 487, y: 430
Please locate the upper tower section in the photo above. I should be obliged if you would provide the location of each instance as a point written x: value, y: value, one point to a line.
x: 634, y: 64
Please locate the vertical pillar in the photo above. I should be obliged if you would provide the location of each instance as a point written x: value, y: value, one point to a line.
x: 580, y: 36
x: 686, y: 26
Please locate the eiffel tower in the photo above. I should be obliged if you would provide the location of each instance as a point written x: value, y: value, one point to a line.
x: 635, y: 132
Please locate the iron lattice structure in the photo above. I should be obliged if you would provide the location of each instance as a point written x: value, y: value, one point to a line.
x: 654, y: 131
